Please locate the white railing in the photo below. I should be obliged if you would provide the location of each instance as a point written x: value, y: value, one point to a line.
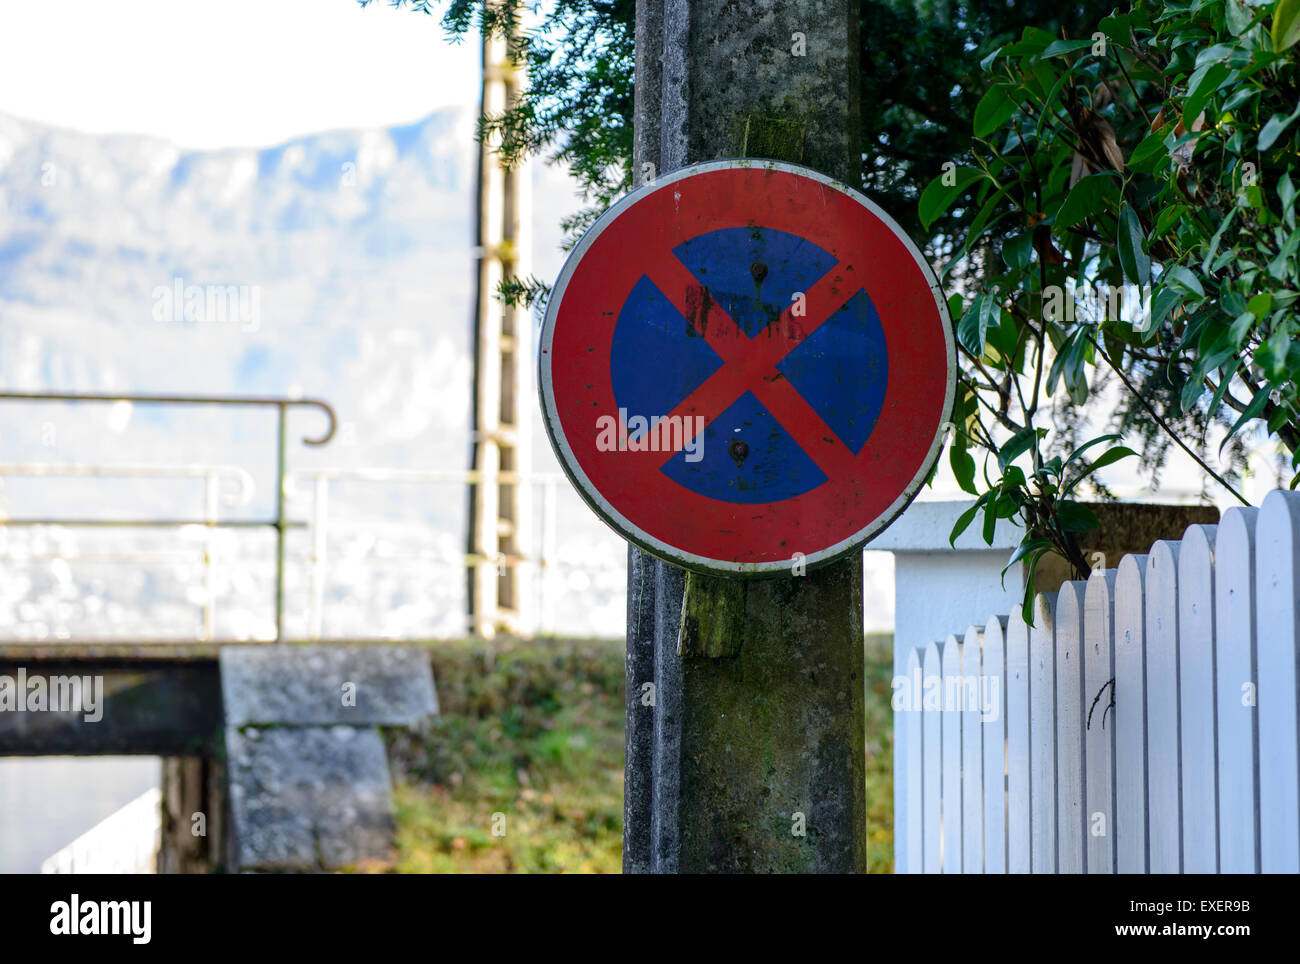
x: 1146, y: 722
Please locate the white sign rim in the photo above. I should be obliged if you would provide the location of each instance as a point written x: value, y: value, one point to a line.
x: 624, y: 526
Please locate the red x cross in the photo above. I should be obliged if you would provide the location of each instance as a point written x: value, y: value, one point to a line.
x: 749, y: 365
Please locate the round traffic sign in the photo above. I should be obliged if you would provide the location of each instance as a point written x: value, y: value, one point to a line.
x: 746, y: 364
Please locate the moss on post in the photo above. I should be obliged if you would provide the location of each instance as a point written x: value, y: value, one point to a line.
x: 713, y: 617
x: 764, y: 135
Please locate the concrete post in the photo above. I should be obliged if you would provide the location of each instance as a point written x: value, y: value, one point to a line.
x: 752, y: 761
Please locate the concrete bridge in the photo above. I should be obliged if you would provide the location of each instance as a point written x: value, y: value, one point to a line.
x: 273, y: 759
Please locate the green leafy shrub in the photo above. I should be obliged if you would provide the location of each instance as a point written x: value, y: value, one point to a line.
x: 1129, y: 205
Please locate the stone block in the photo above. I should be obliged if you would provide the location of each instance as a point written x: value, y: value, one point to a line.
x: 308, y: 799
x: 305, y: 685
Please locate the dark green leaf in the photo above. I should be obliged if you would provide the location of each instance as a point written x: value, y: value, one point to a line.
x: 1032, y: 41
x: 1286, y: 193
x: 1240, y: 328
x: 1166, y: 299
x: 1022, y: 550
x: 1252, y: 410
x: 1078, y: 453
x: 982, y: 219
x: 1027, y: 605
x: 1225, y: 379
x: 938, y: 196
x: 963, y: 522
x: 1238, y: 18
x: 1275, y: 126
x: 972, y: 330
x: 1017, y: 252
x: 1260, y: 304
x: 1088, y: 198
x: 1151, y: 147
x: 963, y: 467
x: 990, y: 57
x: 1135, y: 262
x: 1185, y: 278
x: 1017, y: 446
x: 1109, y: 457
x: 1205, y: 80
x: 1059, y: 47
x: 1168, y: 218
x: 994, y: 109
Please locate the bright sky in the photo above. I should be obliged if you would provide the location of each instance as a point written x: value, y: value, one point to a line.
x: 230, y: 73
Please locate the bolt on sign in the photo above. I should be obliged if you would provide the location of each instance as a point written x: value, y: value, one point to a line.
x: 745, y: 363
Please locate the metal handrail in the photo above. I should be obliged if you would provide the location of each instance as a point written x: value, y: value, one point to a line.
x: 288, y: 488
x: 321, y: 479
x: 255, y: 400
x: 212, y: 475
x: 280, y: 522
x: 132, y: 470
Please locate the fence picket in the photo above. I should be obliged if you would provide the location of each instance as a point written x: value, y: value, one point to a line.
x: 1042, y: 735
x: 1277, y: 601
x: 994, y: 725
x: 1196, y: 700
x: 932, y: 762
x: 1070, y: 785
x: 907, y: 728
x: 1164, y: 789
x: 1017, y: 677
x: 1238, y: 723
x: 1099, y: 721
x: 951, y: 809
x: 1132, y: 852
x: 972, y: 756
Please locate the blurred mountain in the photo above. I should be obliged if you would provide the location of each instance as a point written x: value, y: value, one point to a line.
x: 353, y: 246
x: 336, y: 266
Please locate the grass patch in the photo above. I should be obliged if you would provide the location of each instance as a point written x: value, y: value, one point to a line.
x: 530, y: 741
x: 880, y: 754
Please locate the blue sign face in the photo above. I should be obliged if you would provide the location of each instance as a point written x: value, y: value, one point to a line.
x: 754, y: 275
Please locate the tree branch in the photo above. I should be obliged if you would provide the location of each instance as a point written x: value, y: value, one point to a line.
x: 1163, y: 424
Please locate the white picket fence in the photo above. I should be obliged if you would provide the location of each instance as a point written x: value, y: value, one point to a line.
x: 1195, y: 768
